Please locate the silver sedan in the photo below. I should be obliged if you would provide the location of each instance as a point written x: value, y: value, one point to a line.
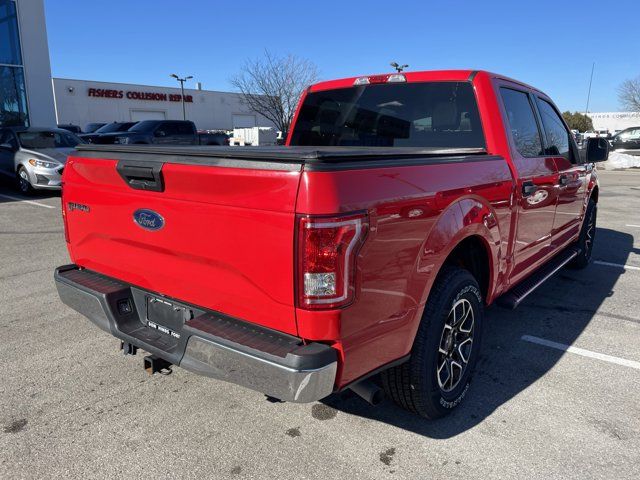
x: 35, y: 157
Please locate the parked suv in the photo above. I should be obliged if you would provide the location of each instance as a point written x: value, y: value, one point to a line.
x: 71, y: 128
x: 113, y: 127
x: 92, y: 127
x: 165, y: 132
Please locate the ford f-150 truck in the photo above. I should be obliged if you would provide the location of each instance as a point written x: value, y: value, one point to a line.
x: 360, y: 255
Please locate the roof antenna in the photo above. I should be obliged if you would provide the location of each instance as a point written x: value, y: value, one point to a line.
x: 399, y: 68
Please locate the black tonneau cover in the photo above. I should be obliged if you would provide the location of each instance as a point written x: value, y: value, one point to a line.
x: 283, y: 158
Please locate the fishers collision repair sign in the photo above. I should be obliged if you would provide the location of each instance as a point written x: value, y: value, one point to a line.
x: 134, y: 95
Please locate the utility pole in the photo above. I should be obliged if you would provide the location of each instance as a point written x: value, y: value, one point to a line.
x: 586, y: 110
x: 182, y: 80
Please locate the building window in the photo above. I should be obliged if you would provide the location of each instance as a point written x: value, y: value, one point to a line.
x: 9, y: 39
x: 13, y: 97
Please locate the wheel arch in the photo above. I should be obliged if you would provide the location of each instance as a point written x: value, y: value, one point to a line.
x: 21, y: 164
x: 467, y: 234
x: 474, y: 255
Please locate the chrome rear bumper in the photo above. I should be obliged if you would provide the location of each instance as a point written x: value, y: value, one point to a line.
x: 208, y: 343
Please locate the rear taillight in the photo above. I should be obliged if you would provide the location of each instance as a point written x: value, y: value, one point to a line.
x: 327, y: 249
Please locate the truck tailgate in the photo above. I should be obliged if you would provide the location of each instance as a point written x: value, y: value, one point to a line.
x: 226, y: 241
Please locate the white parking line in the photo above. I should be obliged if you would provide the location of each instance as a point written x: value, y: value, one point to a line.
x: 619, y: 265
x: 581, y: 351
x: 30, y: 202
x: 634, y: 226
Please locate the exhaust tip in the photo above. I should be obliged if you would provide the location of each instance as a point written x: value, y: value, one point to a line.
x: 377, y: 397
x: 368, y: 391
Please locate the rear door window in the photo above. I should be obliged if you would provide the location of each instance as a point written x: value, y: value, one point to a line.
x: 184, y: 128
x: 417, y: 114
x: 522, y: 122
x: 170, y: 128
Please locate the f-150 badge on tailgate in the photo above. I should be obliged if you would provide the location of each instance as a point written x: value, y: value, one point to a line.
x: 148, y: 219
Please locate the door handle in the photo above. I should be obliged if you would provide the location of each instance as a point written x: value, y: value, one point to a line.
x: 563, y: 180
x: 528, y: 188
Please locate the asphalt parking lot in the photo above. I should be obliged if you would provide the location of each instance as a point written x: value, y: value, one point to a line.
x: 72, y: 406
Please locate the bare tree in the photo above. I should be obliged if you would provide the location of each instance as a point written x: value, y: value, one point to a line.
x: 629, y: 94
x: 272, y: 85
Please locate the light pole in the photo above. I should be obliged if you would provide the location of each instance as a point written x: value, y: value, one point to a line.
x: 593, y: 66
x: 182, y: 80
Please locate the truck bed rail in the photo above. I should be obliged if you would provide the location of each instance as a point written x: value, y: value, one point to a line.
x: 284, y: 158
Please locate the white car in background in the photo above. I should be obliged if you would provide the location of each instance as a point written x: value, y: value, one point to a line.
x: 35, y: 157
x: 596, y: 133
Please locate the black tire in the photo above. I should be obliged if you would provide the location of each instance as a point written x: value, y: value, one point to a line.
x: 587, y: 237
x: 22, y: 182
x: 416, y: 384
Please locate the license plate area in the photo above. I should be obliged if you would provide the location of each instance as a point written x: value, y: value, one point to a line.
x: 165, y: 316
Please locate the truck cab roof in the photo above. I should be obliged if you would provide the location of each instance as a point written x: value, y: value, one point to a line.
x: 419, y: 76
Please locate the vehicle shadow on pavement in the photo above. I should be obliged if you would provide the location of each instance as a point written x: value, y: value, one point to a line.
x: 559, y: 311
x: 9, y: 192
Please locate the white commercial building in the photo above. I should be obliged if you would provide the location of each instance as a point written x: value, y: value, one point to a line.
x: 614, y: 121
x: 26, y: 97
x: 27, y: 93
x: 80, y: 102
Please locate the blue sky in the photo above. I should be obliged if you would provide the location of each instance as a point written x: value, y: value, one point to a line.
x: 549, y: 44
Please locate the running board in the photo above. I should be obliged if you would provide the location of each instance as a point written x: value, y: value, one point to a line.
x: 517, y: 294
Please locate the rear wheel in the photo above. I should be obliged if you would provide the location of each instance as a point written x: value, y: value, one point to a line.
x: 587, y: 237
x: 437, y: 376
x: 24, y: 185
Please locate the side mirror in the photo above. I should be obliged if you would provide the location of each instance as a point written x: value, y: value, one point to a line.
x: 597, y: 149
x: 7, y: 146
x: 160, y: 133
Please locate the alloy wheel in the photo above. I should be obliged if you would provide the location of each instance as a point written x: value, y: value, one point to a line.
x: 23, y: 180
x: 455, y: 346
x: 590, y: 233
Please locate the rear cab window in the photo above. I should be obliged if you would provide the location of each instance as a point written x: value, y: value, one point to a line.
x: 415, y: 114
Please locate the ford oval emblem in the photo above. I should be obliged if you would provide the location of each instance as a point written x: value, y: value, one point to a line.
x: 148, y: 219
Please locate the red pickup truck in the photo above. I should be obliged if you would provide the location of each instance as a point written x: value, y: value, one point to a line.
x: 367, y: 248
